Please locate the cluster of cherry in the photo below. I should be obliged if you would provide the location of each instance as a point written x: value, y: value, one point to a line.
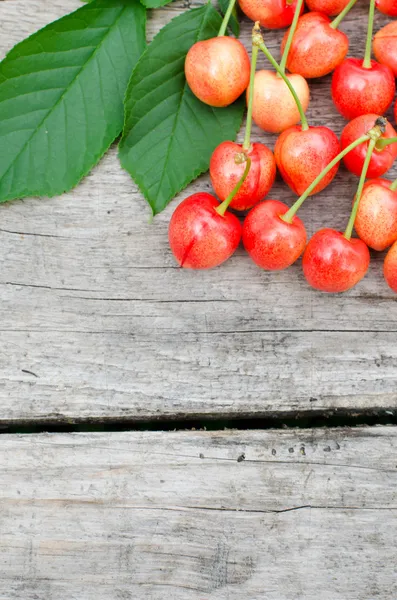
x: 203, y: 233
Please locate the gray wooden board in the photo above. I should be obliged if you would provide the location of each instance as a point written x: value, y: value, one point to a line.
x: 92, y: 302
x: 308, y: 515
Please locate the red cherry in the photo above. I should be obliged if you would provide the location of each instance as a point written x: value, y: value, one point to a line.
x: 302, y: 155
x: 271, y: 242
x: 376, y: 220
x: 199, y: 237
x: 332, y: 263
x: 316, y: 47
x: 274, y: 108
x: 390, y: 268
x: 385, y: 46
x: 328, y: 7
x: 381, y: 161
x: 357, y: 90
x: 217, y: 70
x: 387, y: 7
x: 273, y: 14
x: 225, y: 174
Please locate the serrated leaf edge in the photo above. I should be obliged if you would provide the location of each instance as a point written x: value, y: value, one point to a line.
x: 62, y: 190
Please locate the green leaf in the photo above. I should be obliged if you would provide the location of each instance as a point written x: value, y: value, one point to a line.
x: 148, y: 3
x: 155, y: 3
x: 233, y: 22
x: 169, y: 135
x: 61, y: 97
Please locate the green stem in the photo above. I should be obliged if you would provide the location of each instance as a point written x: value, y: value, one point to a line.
x: 222, y: 208
x: 383, y: 142
x: 368, y: 45
x: 258, y: 40
x: 337, y: 21
x: 247, y: 138
x: 226, y: 18
x: 350, y: 225
x: 393, y: 186
x: 291, y: 33
x: 289, y: 215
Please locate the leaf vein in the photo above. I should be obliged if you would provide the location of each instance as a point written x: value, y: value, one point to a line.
x: 26, y: 144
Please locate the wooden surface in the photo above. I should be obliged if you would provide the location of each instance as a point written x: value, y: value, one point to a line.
x: 307, y: 515
x: 97, y: 322
x: 92, y: 303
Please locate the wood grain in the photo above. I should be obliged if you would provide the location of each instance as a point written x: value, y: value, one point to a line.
x: 92, y: 302
x: 283, y: 515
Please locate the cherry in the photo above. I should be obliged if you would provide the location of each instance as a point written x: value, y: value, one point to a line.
x: 376, y: 221
x: 382, y: 159
x: 332, y: 263
x: 387, y: 7
x: 200, y: 237
x: 226, y: 165
x: 385, y: 46
x: 317, y: 47
x: 225, y: 172
x: 272, y: 235
x: 301, y: 155
x: 274, y: 108
x: 309, y: 147
x: 328, y: 7
x: 358, y: 90
x: 217, y: 70
x: 279, y: 100
x: 364, y: 86
x: 390, y: 268
x: 272, y: 14
x: 271, y: 242
x: 202, y: 233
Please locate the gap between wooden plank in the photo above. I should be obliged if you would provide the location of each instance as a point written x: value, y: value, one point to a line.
x: 304, y: 420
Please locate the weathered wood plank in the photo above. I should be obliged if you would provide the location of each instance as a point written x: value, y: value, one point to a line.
x: 306, y: 515
x: 92, y: 302
x: 74, y: 376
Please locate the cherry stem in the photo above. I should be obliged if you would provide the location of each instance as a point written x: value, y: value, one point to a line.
x: 383, y: 142
x: 222, y: 208
x: 337, y: 21
x: 226, y: 18
x: 350, y: 225
x: 393, y: 186
x: 368, y: 45
x: 373, y: 134
x: 291, y: 34
x: 289, y: 215
x: 247, y: 137
x: 257, y: 40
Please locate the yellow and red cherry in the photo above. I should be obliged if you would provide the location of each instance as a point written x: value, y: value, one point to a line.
x: 376, y: 220
x: 218, y: 70
x: 385, y: 46
x: 332, y: 263
x: 359, y: 90
x: 200, y: 237
x: 274, y: 108
x: 381, y: 160
x: 390, y: 268
x: 226, y: 170
x: 302, y: 154
x: 327, y: 7
x: 273, y: 243
x: 272, y: 14
x: 317, y: 48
